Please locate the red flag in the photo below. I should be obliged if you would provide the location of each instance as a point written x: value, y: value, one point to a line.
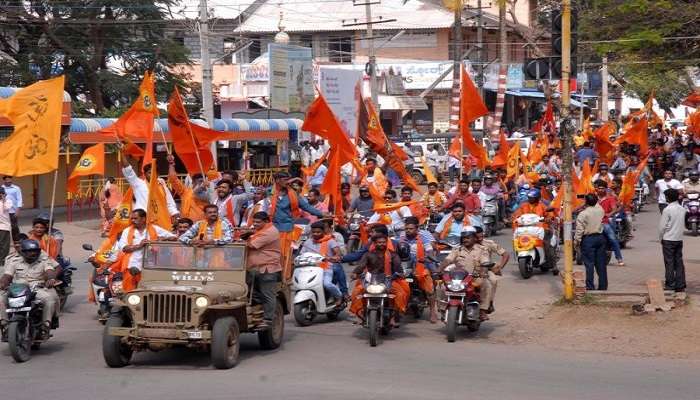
x: 91, y: 162
x: 471, y: 107
x: 137, y: 121
x: 190, y: 141
x: 693, y: 100
x: 546, y: 123
x: 501, y: 157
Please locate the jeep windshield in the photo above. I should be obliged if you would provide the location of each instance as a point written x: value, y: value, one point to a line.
x: 177, y: 256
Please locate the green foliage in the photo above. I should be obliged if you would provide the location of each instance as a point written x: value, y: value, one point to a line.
x: 102, y: 46
x: 637, y: 44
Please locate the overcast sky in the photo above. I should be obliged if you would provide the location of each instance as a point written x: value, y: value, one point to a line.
x: 222, y: 8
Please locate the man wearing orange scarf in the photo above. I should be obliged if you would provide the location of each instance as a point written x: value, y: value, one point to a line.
x: 212, y: 231
x: 382, y: 260
x: 263, y: 264
x: 285, y: 206
x: 326, y: 246
x: 420, y: 241
x: 131, y: 244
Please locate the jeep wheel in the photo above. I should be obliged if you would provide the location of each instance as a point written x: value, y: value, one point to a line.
x: 225, y: 343
x: 271, y: 338
x: 115, y: 353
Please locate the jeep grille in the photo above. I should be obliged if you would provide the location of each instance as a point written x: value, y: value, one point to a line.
x: 167, y: 308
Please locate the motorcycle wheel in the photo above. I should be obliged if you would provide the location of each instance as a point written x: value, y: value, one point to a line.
x: 488, y: 230
x: 452, y: 312
x: 525, y: 267
x: 225, y: 345
x: 473, y: 326
x: 333, y: 315
x: 20, y: 341
x: 694, y: 228
x: 303, y: 313
x: 271, y: 339
x: 416, y: 311
x: 115, y: 353
x: 372, y: 321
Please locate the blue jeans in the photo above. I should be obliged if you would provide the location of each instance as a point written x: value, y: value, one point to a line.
x: 593, y: 249
x: 609, y: 233
x: 329, y: 286
x: 339, y: 278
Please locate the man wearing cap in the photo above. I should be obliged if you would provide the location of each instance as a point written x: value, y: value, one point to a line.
x: 363, y: 203
x: 470, y: 257
x: 603, y: 174
x: 494, y: 250
x: 285, y: 206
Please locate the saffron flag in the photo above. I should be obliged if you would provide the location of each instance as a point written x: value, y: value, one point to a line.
x: 137, y: 122
x: 321, y: 121
x: 501, y: 157
x: 586, y: 180
x: 91, y: 162
x: 192, y: 143
x: 122, y: 215
x: 455, y: 149
x: 513, y: 165
x: 693, y: 122
x: 471, y: 107
x: 132, y: 149
x: 635, y: 132
x: 373, y: 135
x: 427, y: 172
x: 603, y: 146
x: 546, y: 123
x: 157, y: 212
x: 35, y: 113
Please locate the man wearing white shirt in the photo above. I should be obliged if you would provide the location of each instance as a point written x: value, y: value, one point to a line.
x: 14, y: 194
x: 319, y: 176
x: 667, y: 182
x: 5, y: 225
x: 134, y: 238
x: 140, y: 188
x: 397, y: 216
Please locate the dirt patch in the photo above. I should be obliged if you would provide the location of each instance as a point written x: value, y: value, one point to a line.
x: 610, y: 330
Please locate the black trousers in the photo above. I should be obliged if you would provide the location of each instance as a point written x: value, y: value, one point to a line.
x: 265, y: 287
x: 5, y: 243
x: 593, y: 251
x: 673, y: 262
x: 15, y: 227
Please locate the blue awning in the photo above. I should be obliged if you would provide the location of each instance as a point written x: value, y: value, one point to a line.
x: 6, y: 91
x: 85, y: 125
x: 539, y: 95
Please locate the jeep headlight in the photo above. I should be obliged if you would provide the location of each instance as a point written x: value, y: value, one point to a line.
x: 201, y: 302
x: 376, y: 289
x: 133, y: 300
x: 16, y: 302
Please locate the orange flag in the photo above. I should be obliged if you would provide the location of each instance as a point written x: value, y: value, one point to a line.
x: 427, y: 172
x: 585, y: 181
x: 157, y: 212
x: 122, y: 216
x: 192, y: 143
x: 91, y: 162
x: 587, y: 132
x: 321, y: 121
x: 627, y: 189
x: 35, y: 113
x: 137, y: 122
x: 331, y: 183
x: 311, y: 169
x: 384, y: 207
x: 471, y: 107
x: 513, y: 165
x: 455, y: 149
x: 603, y: 146
x: 132, y: 149
x: 501, y: 157
x: 635, y: 132
x: 693, y: 122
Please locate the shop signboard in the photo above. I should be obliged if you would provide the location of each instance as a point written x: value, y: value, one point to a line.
x: 290, y: 77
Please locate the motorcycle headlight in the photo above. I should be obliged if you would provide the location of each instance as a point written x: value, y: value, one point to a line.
x: 16, y: 302
x: 201, y: 302
x: 354, y: 226
x: 133, y: 300
x: 455, y: 286
x: 376, y: 289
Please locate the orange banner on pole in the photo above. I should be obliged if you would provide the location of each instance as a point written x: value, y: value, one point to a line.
x: 157, y: 212
x: 91, y: 162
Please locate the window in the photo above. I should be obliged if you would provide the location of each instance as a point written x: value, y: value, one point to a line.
x: 340, y: 49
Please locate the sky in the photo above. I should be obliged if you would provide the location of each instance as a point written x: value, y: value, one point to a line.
x: 222, y: 8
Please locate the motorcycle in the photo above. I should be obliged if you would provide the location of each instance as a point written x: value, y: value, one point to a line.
x: 418, y: 300
x: 106, y: 285
x: 446, y: 246
x: 66, y: 276
x: 310, y: 299
x: 461, y: 302
x: 623, y: 231
x: 639, y: 199
x: 528, y: 243
x: 379, y: 306
x: 357, y: 224
x: 24, y: 329
x: 692, y: 215
x: 489, y: 216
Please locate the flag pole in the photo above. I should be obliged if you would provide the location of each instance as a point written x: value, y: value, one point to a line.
x: 51, y: 209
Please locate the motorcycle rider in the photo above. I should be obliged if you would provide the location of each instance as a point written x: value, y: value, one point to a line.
x: 325, y: 245
x: 453, y: 223
x: 396, y: 216
x: 493, y: 249
x: 603, y: 174
x: 535, y: 206
x: 420, y: 242
x: 693, y: 183
x: 434, y: 199
x: 469, y: 256
x: 364, y: 203
x: 490, y: 188
x: 463, y: 195
x: 418, y: 210
x: 31, y: 266
x: 610, y: 205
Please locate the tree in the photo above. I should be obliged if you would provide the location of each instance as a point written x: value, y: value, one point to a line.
x: 642, y: 40
x: 102, y: 46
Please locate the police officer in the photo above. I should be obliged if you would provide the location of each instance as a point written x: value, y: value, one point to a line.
x: 493, y: 249
x: 29, y: 267
x: 470, y: 256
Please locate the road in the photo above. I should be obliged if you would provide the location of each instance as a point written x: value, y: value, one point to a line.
x: 333, y: 360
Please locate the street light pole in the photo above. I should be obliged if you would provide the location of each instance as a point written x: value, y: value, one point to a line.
x: 566, y: 128
x: 207, y: 100
x: 371, y: 56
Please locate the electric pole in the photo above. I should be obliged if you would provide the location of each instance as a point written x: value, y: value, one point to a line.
x: 480, y: 53
x: 502, y: 69
x: 604, y: 94
x: 372, y: 62
x: 566, y: 131
x: 207, y: 100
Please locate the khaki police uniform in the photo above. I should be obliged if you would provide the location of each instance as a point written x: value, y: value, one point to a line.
x: 493, y: 249
x: 22, y: 272
x: 472, y: 259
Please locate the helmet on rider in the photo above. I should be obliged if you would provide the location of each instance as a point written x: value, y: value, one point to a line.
x: 694, y: 175
x: 533, y: 196
x: 467, y: 232
x: 29, y: 250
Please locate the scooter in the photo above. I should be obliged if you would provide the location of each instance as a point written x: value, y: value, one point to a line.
x: 107, y: 286
x: 24, y: 330
x: 379, y: 306
x: 357, y: 224
x: 528, y: 243
x: 461, y: 301
x: 310, y: 299
x: 489, y: 216
x: 692, y: 215
x: 65, y: 276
